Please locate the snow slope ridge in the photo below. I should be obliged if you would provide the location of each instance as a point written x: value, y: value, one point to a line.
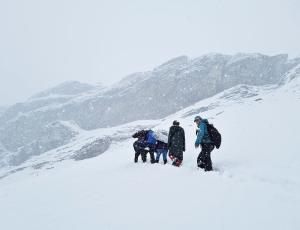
x: 292, y: 77
x: 255, y: 184
x: 66, y: 88
x: 177, y: 62
x: 131, y: 80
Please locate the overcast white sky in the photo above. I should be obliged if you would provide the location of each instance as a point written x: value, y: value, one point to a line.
x: 46, y: 42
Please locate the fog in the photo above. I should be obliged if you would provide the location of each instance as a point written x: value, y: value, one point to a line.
x: 44, y: 43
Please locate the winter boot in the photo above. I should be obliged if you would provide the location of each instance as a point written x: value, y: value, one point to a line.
x: 165, y: 162
x: 171, y: 157
x: 177, y: 163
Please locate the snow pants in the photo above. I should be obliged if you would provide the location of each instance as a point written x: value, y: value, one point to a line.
x: 204, y: 159
x: 141, y: 153
x: 164, y: 152
x: 139, y: 148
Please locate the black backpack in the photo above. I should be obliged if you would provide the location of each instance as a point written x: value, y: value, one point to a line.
x: 214, y: 135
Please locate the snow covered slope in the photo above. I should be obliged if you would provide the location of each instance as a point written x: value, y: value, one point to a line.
x: 2, y: 109
x: 172, y: 86
x: 255, y: 184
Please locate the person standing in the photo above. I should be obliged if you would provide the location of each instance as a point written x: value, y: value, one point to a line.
x: 207, y: 146
x: 140, y: 145
x: 176, y: 143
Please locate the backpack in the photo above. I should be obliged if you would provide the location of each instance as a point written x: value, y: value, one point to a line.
x: 151, y: 138
x: 161, y: 135
x: 214, y: 135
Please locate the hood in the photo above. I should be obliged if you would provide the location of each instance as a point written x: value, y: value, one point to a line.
x: 203, y: 120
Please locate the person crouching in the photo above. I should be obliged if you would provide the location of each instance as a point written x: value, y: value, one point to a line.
x: 144, y: 144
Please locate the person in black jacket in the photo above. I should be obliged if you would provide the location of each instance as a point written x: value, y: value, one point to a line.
x: 176, y: 143
x: 142, y: 146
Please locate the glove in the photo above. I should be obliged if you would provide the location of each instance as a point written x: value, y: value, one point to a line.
x: 147, y: 148
x: 196, y: 145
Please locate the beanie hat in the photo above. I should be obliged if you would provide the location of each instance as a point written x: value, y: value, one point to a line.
x: 176, y: 122
x: 197, y: 118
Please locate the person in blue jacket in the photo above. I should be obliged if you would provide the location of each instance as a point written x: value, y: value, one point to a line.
x: 207, y: 146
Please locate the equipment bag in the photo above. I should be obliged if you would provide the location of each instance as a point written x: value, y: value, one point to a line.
x: 214, y: 135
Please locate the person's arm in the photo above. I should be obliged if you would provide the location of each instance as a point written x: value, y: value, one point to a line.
x: 200, y: 134
x: 169, y: 138
x: 183, y: 136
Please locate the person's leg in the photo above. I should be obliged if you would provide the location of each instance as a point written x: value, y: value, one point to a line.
x: 178, y: 159
x: 144, y: 155
x: 171, y: 155
x: 135, y: 146
x: 165, y: 153
x: 180, y: 156
x: 158, y: 153
x: 151, y: 152
x: 200, y: 159
x: 136, y: 157
x: 209, y: 162
x: 137, y: 151
x: 174, y: 159
x: 207, y: 148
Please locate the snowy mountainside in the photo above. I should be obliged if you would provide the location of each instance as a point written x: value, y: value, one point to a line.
x: 255, y: 184
x: 86, y: 144
x: 101, y: 139
x: 35, y: 126
x: 66, y: 88
x: 2, y: 109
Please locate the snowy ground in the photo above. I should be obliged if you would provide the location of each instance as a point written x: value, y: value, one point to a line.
x: 255, y: 184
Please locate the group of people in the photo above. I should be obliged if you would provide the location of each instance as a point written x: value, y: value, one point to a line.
x: 148, y: 143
